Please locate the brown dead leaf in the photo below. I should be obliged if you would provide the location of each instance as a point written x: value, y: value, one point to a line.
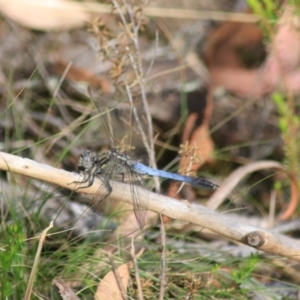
x: 199, y: 138
x: 109, y: 288
x: 231, y: 42
x: 45, y: 15
x: 226, y: 54
x: 197, y: 146
x: 202, y: 141
x: 284, y: 59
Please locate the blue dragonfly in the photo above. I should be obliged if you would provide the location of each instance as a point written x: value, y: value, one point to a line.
x: 127, y: 159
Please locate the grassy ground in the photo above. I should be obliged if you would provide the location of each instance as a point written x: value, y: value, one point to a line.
x: 48, y: 116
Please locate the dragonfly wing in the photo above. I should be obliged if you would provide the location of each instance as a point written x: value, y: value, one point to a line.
x: 140, y: 202
x: 102, y: 194
x: 101, y: 201
x: 133, y: 119
x: 124, y: 122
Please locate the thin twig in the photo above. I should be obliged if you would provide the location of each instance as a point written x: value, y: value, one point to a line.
x: 136, y: 269
x: 36, y: 262
x: 136, y: 64
x: 163, y: 264
x: 175, y: 13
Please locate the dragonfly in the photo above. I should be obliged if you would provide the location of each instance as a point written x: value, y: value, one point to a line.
x: 125, y: 161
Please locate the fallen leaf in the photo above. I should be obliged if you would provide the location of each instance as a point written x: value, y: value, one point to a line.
x: 278, y: 71
x: 198, y: 138
x: 109, y: 288
x: 197, y: 147
x: 45, y: 15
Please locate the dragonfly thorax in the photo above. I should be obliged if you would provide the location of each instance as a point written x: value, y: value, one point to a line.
x: 111, y: 162
x: 117, y: 155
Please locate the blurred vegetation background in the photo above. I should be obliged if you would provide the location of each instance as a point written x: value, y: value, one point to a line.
x: 222, y: 83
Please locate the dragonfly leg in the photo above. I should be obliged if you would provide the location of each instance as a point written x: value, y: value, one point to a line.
x: 90, y: 178
x: 106, y: 184
x: 83, y: 181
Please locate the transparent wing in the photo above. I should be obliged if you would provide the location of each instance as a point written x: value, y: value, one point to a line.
x: 102, y: 202
x: 101, y: 198
x: 140, y: 203
x: 126, y: 128
x: 132, y: 118
x: 125, y: 123
x: 101, y: 102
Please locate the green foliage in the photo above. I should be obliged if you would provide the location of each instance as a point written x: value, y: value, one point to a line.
x: 289, y: 125
x: 296, y: 3
x: 11, y: 260
x: 265, y: 8
x: 267, y: 11
x: 245, y: 269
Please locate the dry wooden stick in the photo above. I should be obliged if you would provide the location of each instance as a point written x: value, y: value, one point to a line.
x: 197, y: 214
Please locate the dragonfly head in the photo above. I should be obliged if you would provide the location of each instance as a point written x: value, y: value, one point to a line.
x: 86, y: 160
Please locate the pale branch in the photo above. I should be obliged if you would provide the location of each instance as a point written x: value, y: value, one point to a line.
x: 180, y: 210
